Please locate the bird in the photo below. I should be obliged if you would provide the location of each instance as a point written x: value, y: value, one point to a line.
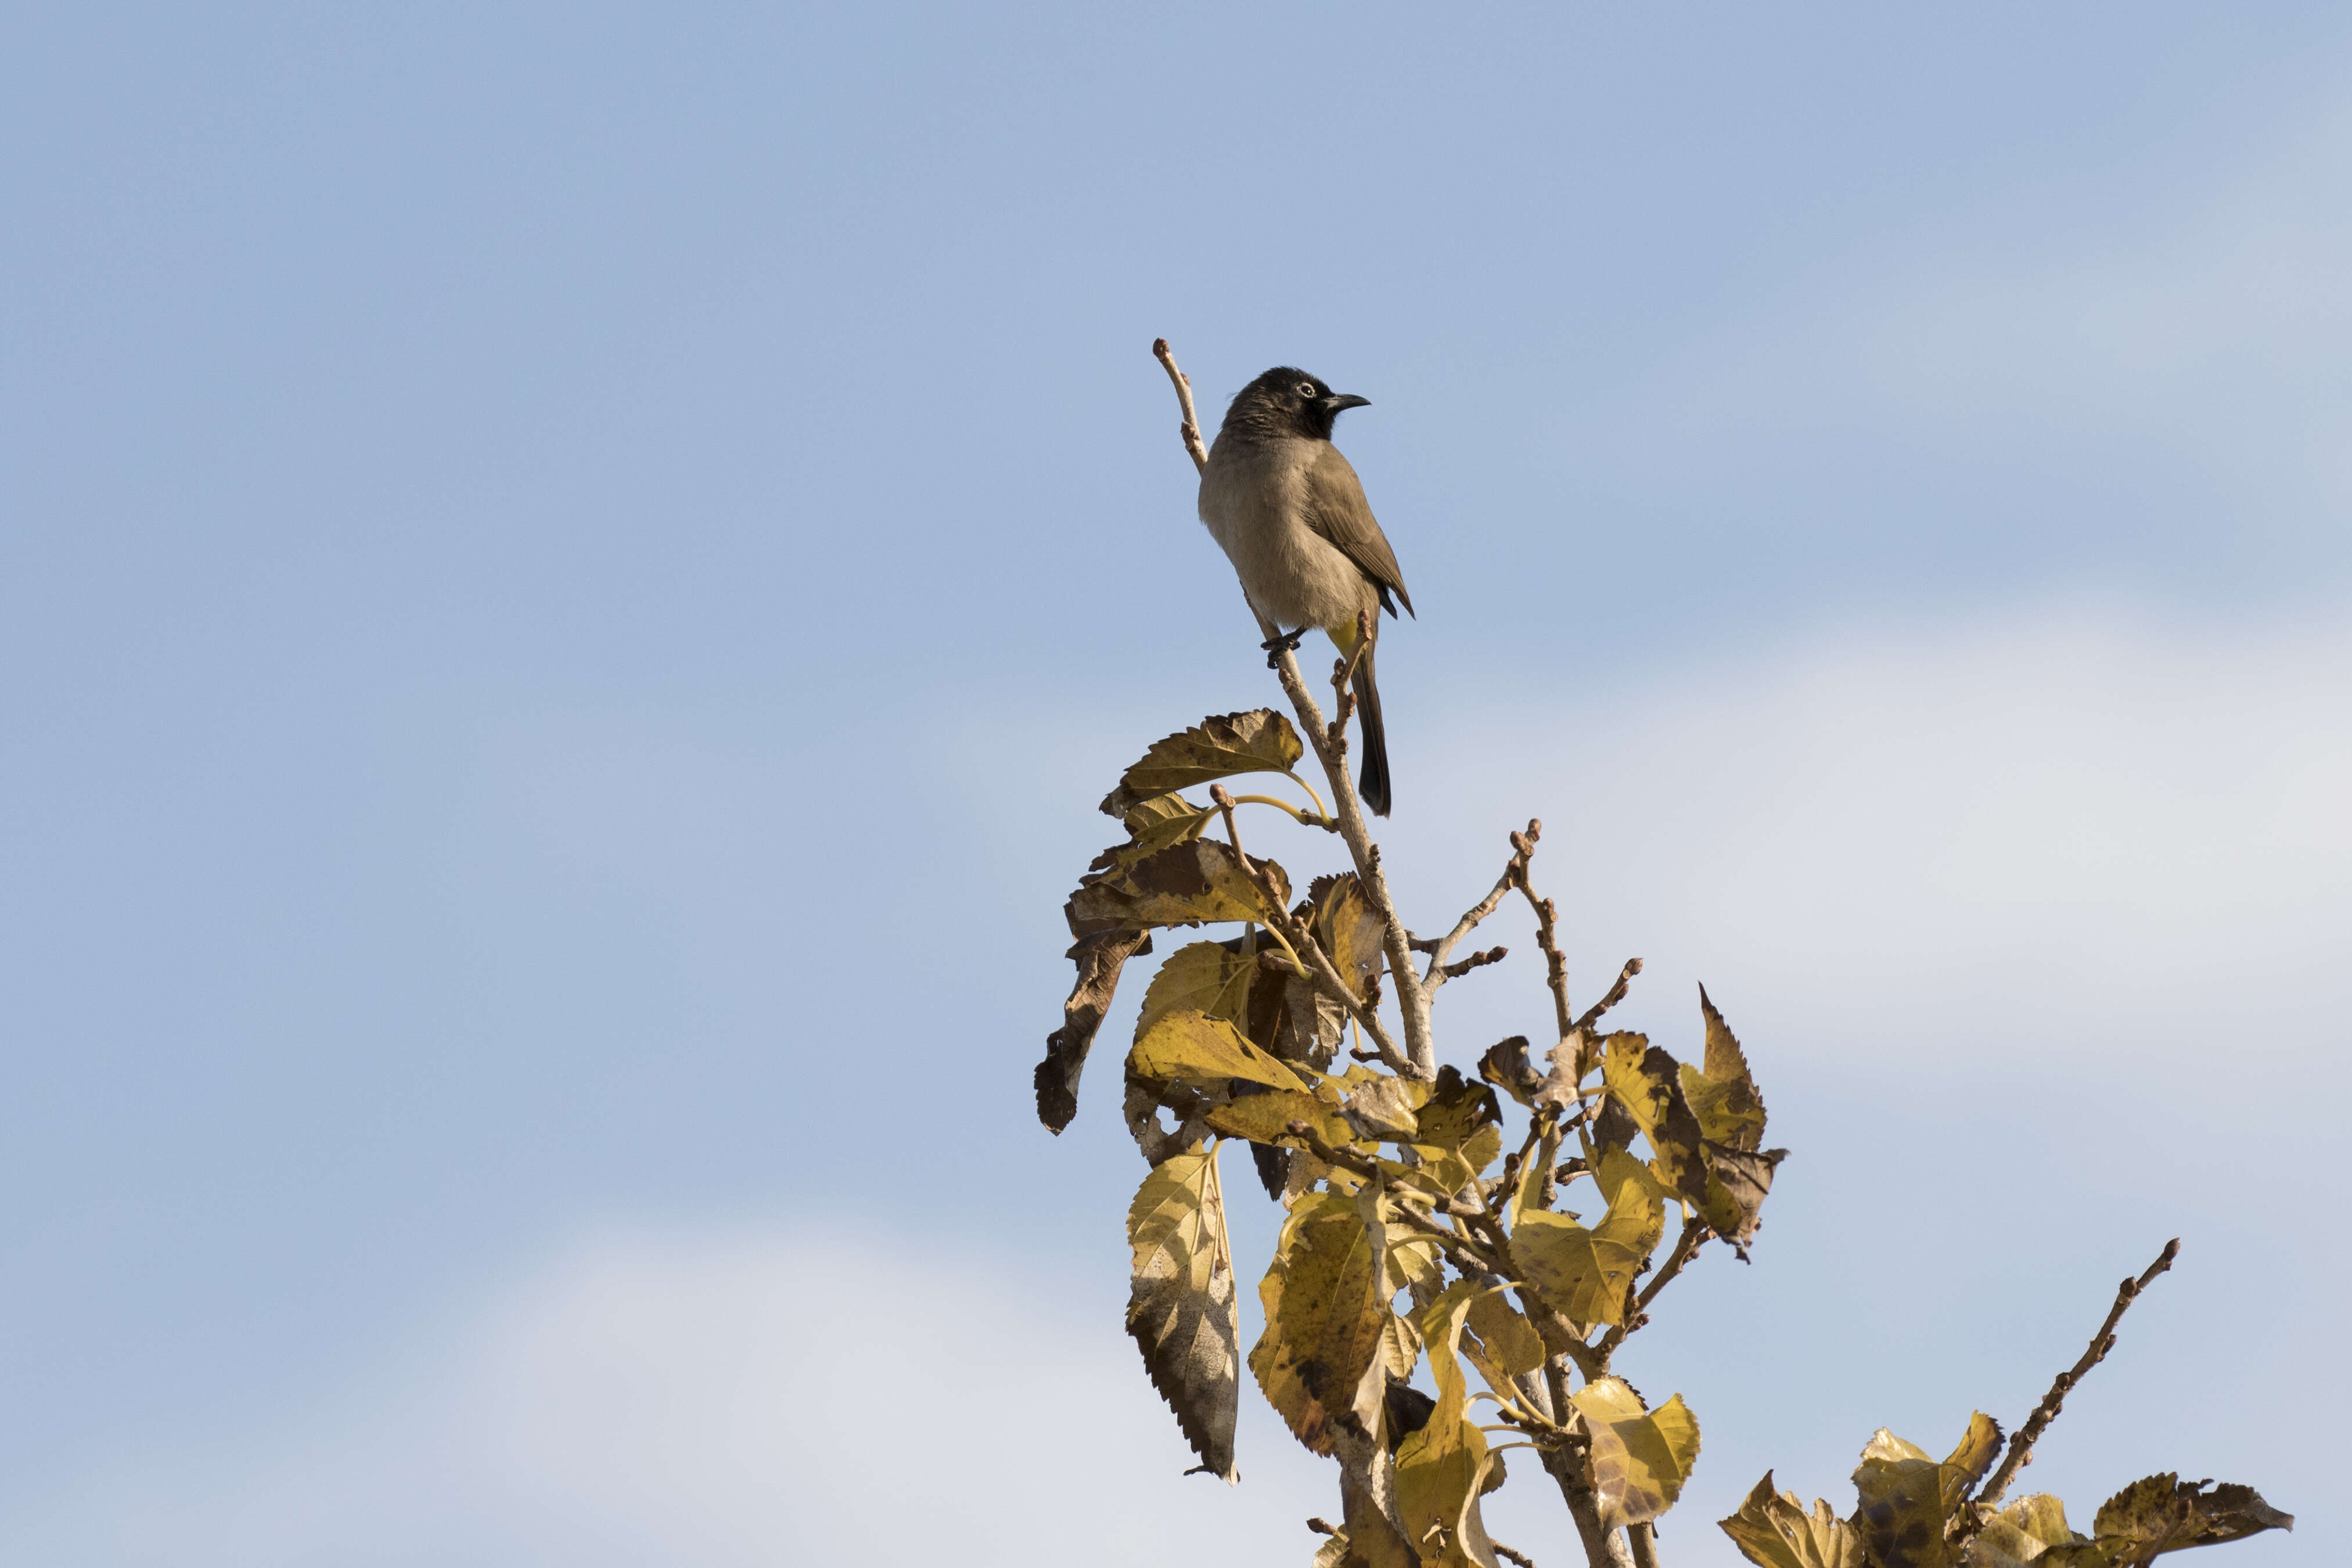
x: 1290, y: 515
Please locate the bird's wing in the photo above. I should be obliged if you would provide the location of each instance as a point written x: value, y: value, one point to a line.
x: 1336, y: 510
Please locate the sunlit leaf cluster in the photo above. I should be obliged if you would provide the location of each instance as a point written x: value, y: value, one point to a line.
x: 1464, y: 1245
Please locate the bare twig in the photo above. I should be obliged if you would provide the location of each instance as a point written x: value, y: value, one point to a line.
x: 1455, y: 971
x: 1438, y: 974
x: 1191, y: 429
x: 2021, y: 1443
x: 1693, y: 1236
x: 1616, y: 994
x: 1547, y: 924
x: 1507, y: 1555
x: 1643, y: 1540
x: 1299, y: 939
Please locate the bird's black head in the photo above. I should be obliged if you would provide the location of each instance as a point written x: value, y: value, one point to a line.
x: 1286, y: 401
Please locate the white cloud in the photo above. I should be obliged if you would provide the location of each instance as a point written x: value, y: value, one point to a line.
x: 1932, y: 826
x: 761, y: 1397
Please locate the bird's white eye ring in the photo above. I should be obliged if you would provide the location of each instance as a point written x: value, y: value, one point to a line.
x: 1307, y: 390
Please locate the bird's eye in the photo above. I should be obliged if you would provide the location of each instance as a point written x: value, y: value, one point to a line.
x: 1307, y: 390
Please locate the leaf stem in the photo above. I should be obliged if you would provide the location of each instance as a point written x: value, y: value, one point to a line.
x: 1320, y: 809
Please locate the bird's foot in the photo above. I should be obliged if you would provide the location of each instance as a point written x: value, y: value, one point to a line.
x: 1280, y: 644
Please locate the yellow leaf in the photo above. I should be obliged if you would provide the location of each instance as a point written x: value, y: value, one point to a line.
x: 1640, y: 1458
x: 1772, y: 1529
x: 1258, y: 742
x: 2020, y: 1533
x: 1180, y: 1306
x: 1188, y: 1044
x: 1346, y: 927
x: 1267, y: 1118
x: 1440, y: 1468
x: 1646, y: 1084
x: 1511, y: 1342
x: 1903, y: 1511
x: 1319, y: 1361
x: 1732, y: 1111
x: 1163, y: 820
x: 1965, y: 1464
x: 1205, y: 977
x: 1581, y: 1273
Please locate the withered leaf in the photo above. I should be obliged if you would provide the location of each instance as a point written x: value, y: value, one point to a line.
x: 1258, y: 742
x: 1206, y: 977
x: 1903, y: 1509
x: 1180, y: 1306
x: 1187, y: 1045
x: 1772, y: 1529
x: 1100, y: 957
x: 1964, y: 1466
x: 1382, y: 1110
x: 1185, y: 884
x: 2169, y: 1514
x: 2020, y: 1533
x: 1163, y: 820
x: 1736, y: 1183
x: 1460, y: 1132
x: 1346, y: 927
x: 1647, y: 1083
x: 1640, y: 1458
x: 1505, y: 1066
x: 1326, y: 1296
x: 1734, y: 1113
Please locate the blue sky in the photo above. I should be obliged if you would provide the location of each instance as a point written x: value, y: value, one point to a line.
x: 569, y: 580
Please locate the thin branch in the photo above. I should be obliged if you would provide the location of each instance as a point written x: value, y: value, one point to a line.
x: 1643, y: 1540
x: 1693, y: 1236
x: 1616, y: 994
x: 1455, y: 971
x: 2021, y: 1444
x: 1438, y: 972
x: 1413, y: 1000
x: 1343, y: 697
x: 1523, y: 846
x: 1507, y: 1555
x: 1299, y: 941
x: 1191, y: 429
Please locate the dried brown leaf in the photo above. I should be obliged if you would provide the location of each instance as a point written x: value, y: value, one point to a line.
x: 1772, y: 1529
x: 1180, y: 1306
x: 1100, y: 957
x: 1258, y: 741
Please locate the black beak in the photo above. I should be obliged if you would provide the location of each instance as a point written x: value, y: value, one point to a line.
x: 1339, y: 400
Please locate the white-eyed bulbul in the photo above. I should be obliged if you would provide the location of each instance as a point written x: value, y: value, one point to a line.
x: 1292, y: 518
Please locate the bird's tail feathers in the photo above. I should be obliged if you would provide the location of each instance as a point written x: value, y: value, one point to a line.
x: 1372, y: 778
